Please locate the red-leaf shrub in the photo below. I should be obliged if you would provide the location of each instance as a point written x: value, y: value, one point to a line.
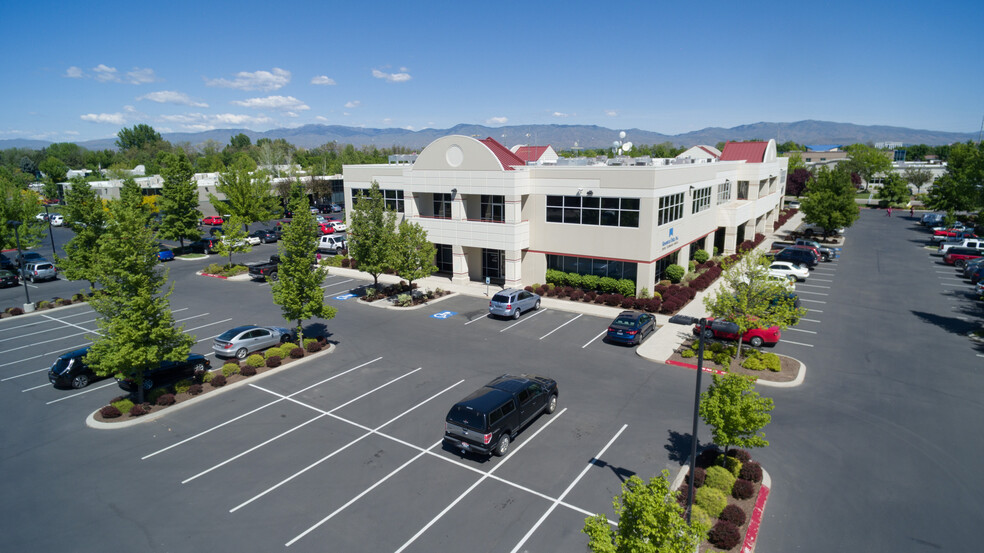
x: 751, y: 471
x: 165, y: 400
x: 759, y: 238
x: 567, y: 290
x: 614, y: 300
x: 601, y: 298
x: 742, y: 455
x: 274, y: 360
x: 743, y: 489
x: 561, y: 291
x: 628, y: 303
x: 217, y: 381
x: 16, y: 311
x: 528, y: 288
x: 653, y: 305
x: 297, y: 353
x: 577, y: 295
x: 682, y: 496
x: 541, y: 291
x: 733, y: 514
x: 708, y: 457
x: 195, y: 389
x: 137, y: 410
x: 313, y: 347
x: 660, y: 289
x: 699, y: 475
x: 248, y: 371
x: 346, y: 263
x: 590, y: 296
x: 552, y: 292
x: 724, y: 535
x: 322, y: 340
x: 110, y: 412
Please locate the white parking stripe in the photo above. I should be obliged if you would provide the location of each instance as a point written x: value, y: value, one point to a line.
x: 797, y: 343
x: 595, y: 338
x: 815, y: 285
x: 562, y: 326
x: 812, y: 301
x: 811, y: 310
x: 70, y: 348
x: 111, y: 383
x: 209, y: 324
x: 337, y: 283
x: 41, y: 331
x: 36, y: 387
x: 477, y: 319
x: 801, y: 330
x: 568, y: 490
x: 509, y: 456
x: 47, y: 341
x: 528, y: 317
x: 820, y: 280
x: 945, y: 284
x: 70, y: 324
x: 339, y: 450
x: 813, y: 293
x: 810, y: 320
x: 234, y: 419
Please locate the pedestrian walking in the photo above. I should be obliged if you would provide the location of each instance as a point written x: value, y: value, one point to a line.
x: 912, y: 212
x: 888, y: 212
x: 318, y: 257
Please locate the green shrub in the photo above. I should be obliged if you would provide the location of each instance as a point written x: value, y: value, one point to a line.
x: 733, y: 465
x: 674, y: 273
x: 700, y: 256
x: 708, y: 355
x: 644, y: 293
x: 752, y: 364
x: 711, y: 500
x: 124, y: 405
x: 307, y: 341
x: 722, y: 358
x: 692, y: 266
x: 255, y: 360
x: 403, y: 300
x: 688, y: 353
x: 207, y: 377
x: 181, y: 386
x: 699, y: 515
x: 555, y: 277
x: 608, y: 285
x: 213, y: 269
x: 370, y: 292
x: 274, y: 351
x: 716, y: 347
x: 694, y: 345
x: 590, y: 282
x: 230, y: 369
x: 625, y: 287
x: 152, y: 395
x: 772, y: 362
x: 43, y: 304
x: 574, y: 280
x: 720, y: 479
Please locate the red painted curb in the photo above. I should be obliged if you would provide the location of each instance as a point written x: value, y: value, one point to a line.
x: 694, y: 367
x: 753, y: 526
x: 214, y: 276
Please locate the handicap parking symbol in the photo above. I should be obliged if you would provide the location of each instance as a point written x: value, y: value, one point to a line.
x: 443, y: 314
x: 344, y: 297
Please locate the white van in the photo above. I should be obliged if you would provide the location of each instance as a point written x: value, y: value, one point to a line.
x: 332, y: 243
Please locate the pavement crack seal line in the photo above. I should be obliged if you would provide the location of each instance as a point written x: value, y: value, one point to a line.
x: 282, y: 434
x: 476, y: 484
x: 283, y: 398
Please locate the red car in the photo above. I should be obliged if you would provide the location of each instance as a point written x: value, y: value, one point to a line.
x: 213, y: 220
x: 755, y: 336
x: 951, y: 232
x: 959, y: 255
x: 326, y: 229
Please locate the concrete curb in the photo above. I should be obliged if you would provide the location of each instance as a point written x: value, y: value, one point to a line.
x: 387, y: 304
x: 91, y: 421
x: 800, y: 374
x: 751, y: 535
x: 46, y: 311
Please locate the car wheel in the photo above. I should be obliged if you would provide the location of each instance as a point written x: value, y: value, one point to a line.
x: 273, y: 277
x: 338, y: 251
x: 285, y: 338
x: 551, y: 404
x: 503, y: 446
x: 198, y: 370
x: 517, y: 313
x: 959, y: 263
x: 241, y: 353
x: 756, y: 341
x: 80, y: 381
x: 536, y: 305
x: 808, y: 232
x: 708, y: 333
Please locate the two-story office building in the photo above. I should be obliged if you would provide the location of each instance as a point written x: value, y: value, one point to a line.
x: 492, y: 215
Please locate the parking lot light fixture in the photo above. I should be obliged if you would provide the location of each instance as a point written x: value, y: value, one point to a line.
x: 702, y: 324
x: 28, y: 306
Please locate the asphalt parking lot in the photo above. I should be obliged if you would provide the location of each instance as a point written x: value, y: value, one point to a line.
x: 875, y: 451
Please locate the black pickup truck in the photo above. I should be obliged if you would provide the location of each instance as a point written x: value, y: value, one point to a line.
x: 490, y: 417
x: 265, y: 270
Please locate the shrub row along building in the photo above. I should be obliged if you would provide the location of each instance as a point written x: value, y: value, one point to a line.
x: 509, y: 215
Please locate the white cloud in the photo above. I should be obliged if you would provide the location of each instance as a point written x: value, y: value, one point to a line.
x: 257, y: 80
x: 559, y: 114
x: 611, y: 113
x: 321, y: 118
x: 172, y: 97
x: 204, y: 122
x: 105, y: 73
x: 141, y: 76
x: 409, y: 128
x: 129, y: 109
x: 401, y: 77
x: 72, y: 133
x: 496, y: 121
x: 353, y: 104
x: 322, y: 79
x: 387, y: 120
x: 286, y: 103
x: 114, y: 118
x: 290, y: 114
x: 74, y: 72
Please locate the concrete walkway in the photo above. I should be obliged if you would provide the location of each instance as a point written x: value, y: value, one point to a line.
x: 658, y: 347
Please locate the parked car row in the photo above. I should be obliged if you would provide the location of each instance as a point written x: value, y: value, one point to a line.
x: 959, y: 247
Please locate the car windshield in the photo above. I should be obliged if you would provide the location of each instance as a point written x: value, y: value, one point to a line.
x: 62, y: 365
x: 500, y: 298
x: 624, y: 322
x: 229, y: 334
x: 464, y: 416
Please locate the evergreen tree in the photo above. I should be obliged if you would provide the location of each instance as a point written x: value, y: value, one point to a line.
x: 372, y: 233
x: 233, y: 239
x: 297, y: 289
x: 735, y: 412
x: 85, y: 215
x: 414, y: 255
x: 247, y: 195
x: 137, y: 329
x: 649, y: 520
x: 179, y: 200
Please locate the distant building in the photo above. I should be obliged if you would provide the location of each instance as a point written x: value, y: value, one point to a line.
x: 536, y: 155
x: 701, y: 152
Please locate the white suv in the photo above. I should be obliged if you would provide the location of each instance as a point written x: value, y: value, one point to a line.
x: 332, y: 243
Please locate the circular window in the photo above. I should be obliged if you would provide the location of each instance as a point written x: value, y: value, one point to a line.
x: 454, y: 155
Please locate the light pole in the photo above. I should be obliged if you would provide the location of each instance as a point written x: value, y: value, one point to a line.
x: 28, y: 306
x: 47, y: 217
x: 704, y: 328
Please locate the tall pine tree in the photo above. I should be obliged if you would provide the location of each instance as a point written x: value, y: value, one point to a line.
x: 179, y: 200
x: 85, y: 215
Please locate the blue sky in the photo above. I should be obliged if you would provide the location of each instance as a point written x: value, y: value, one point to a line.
x: 75, y: 71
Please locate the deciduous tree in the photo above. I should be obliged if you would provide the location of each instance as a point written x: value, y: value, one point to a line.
x: 247, y: 195
x: 85, y: 215
x: 829, y: 200
x: 17, y: 204
x: 917, y: 177
x: 372, y: 233
x: 867, y: 161
x: 179, y: 200
x: 735, y: 411
x: 233, y: 239
x: 413, y: 255
x: 137, y: 137
x: 649, y: 520
x: 894, y: 189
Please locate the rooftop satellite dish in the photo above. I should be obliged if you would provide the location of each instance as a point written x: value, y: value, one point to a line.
x: 621, y: 134
x: 615, y: 144
x: 626, y: 147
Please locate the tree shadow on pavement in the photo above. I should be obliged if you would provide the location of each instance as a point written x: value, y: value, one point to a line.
x: 622, y: 473
x: 679, y: 447
x: 950, y: 324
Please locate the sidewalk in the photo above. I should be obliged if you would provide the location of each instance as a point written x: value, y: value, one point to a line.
x: 657, y: 347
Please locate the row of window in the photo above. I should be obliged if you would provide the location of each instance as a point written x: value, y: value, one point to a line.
x: 590, y: 266
x: 590, y: 210
x: 393, y: 198
x: 701, y: 200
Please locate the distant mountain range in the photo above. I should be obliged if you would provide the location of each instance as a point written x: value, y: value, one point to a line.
x: 561, y: 137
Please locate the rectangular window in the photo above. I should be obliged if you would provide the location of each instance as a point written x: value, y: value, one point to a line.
x: 493, y: 208
x: 444, y: 258
x: 592, y: 210
x: 393, y: 198
x: 670, y: 208
x: 701, y: 201
x: 442, y: 206
x: 590, y: 266
x: 743, y: 190
x: 724, y: 192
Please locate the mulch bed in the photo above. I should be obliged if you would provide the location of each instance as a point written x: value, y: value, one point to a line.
x: 788, y: 372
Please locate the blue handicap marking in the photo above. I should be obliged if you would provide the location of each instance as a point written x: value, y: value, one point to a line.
x: 345, y: 296
x: 444, y: 314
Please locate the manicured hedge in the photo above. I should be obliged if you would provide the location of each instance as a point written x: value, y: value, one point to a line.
x: 719, y: 478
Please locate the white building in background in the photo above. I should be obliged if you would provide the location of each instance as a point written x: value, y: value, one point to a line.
x: 492, y: 215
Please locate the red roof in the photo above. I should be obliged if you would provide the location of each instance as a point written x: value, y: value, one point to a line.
x: 506, y: 158
x: 530, y: 153
x: 708, y: 150
x: 752, y: 152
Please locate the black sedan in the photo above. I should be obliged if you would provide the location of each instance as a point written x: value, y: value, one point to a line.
x: 631, y: 327
x: 265, y: 236
x: 169, y: 371
x: 8, y: 278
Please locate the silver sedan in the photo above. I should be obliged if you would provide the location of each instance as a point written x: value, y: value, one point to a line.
x: 243, y: 340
